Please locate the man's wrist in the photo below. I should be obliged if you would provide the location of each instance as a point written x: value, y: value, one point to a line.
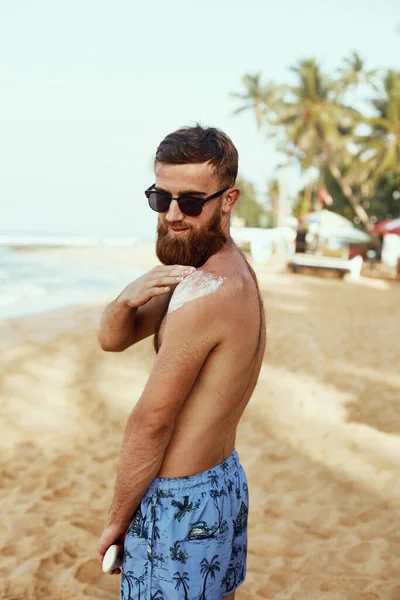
x: 114, y: 520
x: 123, y: 302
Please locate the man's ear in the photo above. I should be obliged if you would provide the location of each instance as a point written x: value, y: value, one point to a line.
x: 230, y: 199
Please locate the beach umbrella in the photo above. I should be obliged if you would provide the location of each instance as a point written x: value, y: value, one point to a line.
x: 387, y: 226
x: 326, y: 218
x: 351, y: 235
x: 332, y: 225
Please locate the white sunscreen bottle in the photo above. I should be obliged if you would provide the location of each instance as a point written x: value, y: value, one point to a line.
x: 113, y: 558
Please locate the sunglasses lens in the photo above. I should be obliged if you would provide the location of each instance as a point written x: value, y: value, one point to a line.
x: 190, y: 206
x: 159, y: 202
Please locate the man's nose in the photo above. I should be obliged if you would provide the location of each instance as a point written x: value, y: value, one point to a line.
x: 174, y: 212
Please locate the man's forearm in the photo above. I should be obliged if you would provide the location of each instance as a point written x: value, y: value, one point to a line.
x: 142, y: 453
x: 117, y: 326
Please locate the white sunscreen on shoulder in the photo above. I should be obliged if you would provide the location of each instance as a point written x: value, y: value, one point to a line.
x: 199, y: 283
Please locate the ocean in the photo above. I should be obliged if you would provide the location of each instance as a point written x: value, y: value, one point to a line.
x: 31, y: 283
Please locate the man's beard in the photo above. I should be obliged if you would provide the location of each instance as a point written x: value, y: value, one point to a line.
x: 194, y: 247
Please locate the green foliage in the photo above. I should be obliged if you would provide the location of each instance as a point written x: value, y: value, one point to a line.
x: 382, y: 205
x: 248, y: 208
x: 315, y: 127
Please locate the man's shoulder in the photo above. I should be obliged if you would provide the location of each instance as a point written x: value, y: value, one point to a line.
x: 204, y: 309
x: 207, y: 288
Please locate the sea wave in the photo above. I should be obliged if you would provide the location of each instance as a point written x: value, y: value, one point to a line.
x: 31, y: 284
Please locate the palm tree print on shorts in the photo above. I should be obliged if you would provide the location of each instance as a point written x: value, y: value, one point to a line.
x: 214, y: 479
x: 237, y: 489
x: 215, y: 494
x: 189, y: 525
x: 206, y: 570
x: 139, y: 526
x: 156, y: 501
x: 240, y: 523
x: 184, y: 507
x: 230, y: 579
x: 182, y: 578
x: 235, y: 573
x: 177, y: 554
x: 131, y: 580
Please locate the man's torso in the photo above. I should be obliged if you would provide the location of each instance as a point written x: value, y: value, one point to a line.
x: 205, y: 429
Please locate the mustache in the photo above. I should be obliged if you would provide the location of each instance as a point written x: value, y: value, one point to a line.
x: 166, y: 226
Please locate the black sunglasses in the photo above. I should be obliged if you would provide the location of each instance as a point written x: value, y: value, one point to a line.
x: 189, y: 205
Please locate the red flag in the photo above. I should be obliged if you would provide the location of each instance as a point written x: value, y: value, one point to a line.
x: 325, y: 196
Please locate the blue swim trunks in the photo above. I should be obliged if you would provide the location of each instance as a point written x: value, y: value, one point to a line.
x: 188, y: 537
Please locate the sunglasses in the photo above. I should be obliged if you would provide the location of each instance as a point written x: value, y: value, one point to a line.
x: 189, y: 205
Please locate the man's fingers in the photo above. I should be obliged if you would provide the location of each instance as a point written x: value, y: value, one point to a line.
x: 173, y: 270
x: 166, y: 280
x: 159, y: 290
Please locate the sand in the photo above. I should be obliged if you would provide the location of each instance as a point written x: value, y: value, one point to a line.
x: 319, y: 441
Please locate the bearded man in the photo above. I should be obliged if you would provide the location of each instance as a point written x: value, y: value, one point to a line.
x: 181, y: 497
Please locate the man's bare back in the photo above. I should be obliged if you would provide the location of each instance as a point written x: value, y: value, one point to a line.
x: 205, y: 429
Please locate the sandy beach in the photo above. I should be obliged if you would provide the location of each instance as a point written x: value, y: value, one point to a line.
x: 319, y: 441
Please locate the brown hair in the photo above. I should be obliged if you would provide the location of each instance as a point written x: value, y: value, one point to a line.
x: 199, y: 145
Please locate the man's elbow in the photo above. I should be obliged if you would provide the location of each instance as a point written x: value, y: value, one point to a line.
x: 152, y: 425
x: 110, y: 346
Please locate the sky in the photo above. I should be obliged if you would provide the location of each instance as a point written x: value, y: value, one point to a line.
x: 88, y: 89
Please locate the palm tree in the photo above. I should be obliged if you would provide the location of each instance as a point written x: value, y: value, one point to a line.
x: 214, y: 480
x: 156, y: 530
x: 226, y: 581
x: 158, y: 595
x: 206, y: 570
x: 380, y: 149
x: 237, y: 483
x: 126, y: 577
x: 214, y: 495
x: 313, y: 124
x: 249, y: 210
x: 353, y: 72
x: 177, y: 554
x: 138, y: 581
x: 273, y: 195
x: 319, y: 126
x: 158, y: 497
x: 184, y: 507
x: 182, y: 578
x: 256, y: 97
x: 234, y: 571
x: 235, y: 551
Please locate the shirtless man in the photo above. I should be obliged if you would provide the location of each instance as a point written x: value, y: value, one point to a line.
x: 181, y: 501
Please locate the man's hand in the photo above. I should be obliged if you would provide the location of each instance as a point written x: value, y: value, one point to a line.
x: 118, y: 324
x: 112, y: 534
x: 155, y: 282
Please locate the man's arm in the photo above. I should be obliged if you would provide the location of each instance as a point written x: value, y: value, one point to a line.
x: 190, y: 334
x: 117, y: 324
x: 134, y: 315
x: 123, y: 325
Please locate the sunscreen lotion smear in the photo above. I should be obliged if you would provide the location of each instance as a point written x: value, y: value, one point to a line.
x: 196, y: 285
